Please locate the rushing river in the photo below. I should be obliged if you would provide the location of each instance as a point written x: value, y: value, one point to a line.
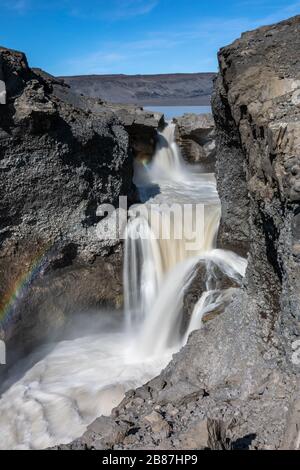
x: 82, y: 378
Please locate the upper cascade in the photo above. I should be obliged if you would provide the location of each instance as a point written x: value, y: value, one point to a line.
x: 168, y: 236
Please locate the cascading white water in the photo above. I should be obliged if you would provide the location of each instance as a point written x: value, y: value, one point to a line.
x: 167, y: 163
x: 143, y: 270
x: 173, y: 267
x: 80, y: 379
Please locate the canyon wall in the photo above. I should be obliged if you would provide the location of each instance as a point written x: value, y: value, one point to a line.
x: 256, y: 109
x: 61, y: 156
x: 236, y: 382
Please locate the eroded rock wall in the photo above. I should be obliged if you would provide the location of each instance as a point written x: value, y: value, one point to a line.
x: 257, y: 112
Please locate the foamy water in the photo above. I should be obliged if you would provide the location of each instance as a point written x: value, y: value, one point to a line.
x: 63, y: 393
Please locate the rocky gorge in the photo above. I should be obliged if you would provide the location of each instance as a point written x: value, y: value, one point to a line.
x: 235, y: 384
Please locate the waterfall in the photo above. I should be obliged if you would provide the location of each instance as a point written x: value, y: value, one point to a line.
x: 161, y: 330
x: 143, y: 271
x: 167, y: 162
x: 58, y: 392
x: 157, y: 269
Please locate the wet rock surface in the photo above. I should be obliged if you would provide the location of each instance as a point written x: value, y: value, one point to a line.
x: 236, y: 382
x: 208, y: 277
x: 195, y: 135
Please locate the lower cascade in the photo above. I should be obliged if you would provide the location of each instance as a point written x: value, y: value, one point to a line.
x: 168, y: 238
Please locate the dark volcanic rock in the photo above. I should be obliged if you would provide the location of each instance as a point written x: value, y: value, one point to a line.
x: 141, y: 125
x: 169, y: 89
x: 58, y: 162
x: 195, y: 135
x: 241, y: 370
x: 258, y: 122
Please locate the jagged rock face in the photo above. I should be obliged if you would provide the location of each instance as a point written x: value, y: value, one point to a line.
x: 58, y: 163
x: 195, y: 135
x: 257, y: 112
x: 142, y: 128
x: 256, y: 108
x: 141, y: 125
x: 237, y: 370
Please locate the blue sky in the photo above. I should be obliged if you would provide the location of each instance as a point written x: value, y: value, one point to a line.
x: 68, y: 37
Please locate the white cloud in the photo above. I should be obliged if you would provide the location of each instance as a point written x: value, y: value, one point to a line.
x: 86, y: 9
x: 292, y: 9
x: 112, y: 10
x: 188, y: 47
x: 19, y: 6
x: 127, y: 8
x: 112, y: 57
x: 96, y: 63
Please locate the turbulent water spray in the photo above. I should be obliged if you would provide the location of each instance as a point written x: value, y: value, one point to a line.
x: 80, y: 379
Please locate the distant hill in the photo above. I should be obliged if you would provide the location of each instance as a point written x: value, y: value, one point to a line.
x: 168, y: 90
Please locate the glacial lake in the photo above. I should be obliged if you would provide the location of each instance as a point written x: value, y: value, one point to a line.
x: 174, y: 111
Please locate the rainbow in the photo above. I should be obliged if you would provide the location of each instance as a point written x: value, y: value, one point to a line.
x: 17, y: 291
x: 145, y: 162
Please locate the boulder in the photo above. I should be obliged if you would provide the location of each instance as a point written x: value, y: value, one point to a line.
x: 104, y: 433
x: 195, y: 135
x: 158, y: 424
x: 195, y: 437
